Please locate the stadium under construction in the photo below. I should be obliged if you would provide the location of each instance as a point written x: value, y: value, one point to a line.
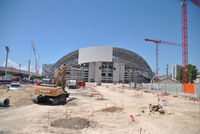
x: 104, y: 64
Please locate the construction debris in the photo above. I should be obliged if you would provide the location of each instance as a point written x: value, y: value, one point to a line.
x: 4, y: 102
x: 156, y: 108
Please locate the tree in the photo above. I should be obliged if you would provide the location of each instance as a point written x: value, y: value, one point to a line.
x: 192, y: 73
x: 179, y: 75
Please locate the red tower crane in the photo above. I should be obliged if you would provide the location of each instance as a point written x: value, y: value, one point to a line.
x: 158, y: 42
x: 185, y: 38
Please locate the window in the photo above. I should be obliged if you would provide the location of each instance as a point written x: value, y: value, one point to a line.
x: 103, y: 74
x: 110, y: 75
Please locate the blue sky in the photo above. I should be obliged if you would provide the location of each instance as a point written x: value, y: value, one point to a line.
x: 61, y: 26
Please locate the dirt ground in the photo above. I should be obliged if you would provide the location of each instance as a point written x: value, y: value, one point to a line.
x: 21, y: 97
x: 105, y: 109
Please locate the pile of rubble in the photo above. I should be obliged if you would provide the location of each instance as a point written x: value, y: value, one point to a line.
x: 153, y: 108
x: 156, y: 108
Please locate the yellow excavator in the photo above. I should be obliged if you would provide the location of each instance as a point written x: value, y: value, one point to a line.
x: 52, y: 91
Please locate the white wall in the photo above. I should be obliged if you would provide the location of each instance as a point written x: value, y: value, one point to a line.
x: 95, y: 54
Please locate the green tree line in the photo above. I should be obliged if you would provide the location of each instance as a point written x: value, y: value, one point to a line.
x: 192, y: 72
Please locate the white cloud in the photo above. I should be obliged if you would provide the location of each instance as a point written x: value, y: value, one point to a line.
x: 12, y: 63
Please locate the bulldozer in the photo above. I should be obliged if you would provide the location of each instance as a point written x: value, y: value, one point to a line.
x: 52, y: 90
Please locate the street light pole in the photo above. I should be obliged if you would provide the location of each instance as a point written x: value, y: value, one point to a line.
x: 6, y: 65
x: 19, y: 67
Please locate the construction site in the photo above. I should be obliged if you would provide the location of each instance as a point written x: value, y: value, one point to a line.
x: 108, y: 108
x: 101, y: 89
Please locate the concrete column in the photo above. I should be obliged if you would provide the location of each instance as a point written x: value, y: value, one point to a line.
x: 116, y: 72
x: 121, y: 71
x: 98, y: 71
x: 29, y: 64
x: 91, y: 73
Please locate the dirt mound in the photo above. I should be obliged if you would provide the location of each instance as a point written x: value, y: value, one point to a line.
x: 165, y: 94
x: 3, y: 87
x: 94, y: 94
x: 19, y: 97
x: 147, y: 91
x: 111, y: 109
x: 3, y: 91
x: 100, y: 99
x: 71, y: 104
x: 72, y: 123
x: 87, y: 94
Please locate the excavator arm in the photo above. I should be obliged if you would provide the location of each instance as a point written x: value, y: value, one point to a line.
x: 60, y: 72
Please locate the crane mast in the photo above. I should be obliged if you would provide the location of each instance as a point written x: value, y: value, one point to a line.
x: 158, y: 42
x: 185, y: 77
x: 184, y: 41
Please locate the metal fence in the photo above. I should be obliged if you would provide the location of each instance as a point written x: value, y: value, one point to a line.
x: 173, y: 89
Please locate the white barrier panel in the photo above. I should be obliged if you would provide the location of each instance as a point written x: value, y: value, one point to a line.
x: 173, y: 89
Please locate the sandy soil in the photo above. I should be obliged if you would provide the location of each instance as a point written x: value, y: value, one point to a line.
x: 21, y: 97
x: 108, y: 108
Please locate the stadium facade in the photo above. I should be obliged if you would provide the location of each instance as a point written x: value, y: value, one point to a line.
x: 102, y: 63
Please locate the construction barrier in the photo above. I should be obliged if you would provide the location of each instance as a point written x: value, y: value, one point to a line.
x: 81, y: 84
x: 188, y: 88
x: 191, y: 90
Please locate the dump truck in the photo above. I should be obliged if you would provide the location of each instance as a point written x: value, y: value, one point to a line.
x: 52, y: 90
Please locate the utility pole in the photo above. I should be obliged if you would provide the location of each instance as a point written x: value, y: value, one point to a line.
x: 6, y: 65
x: 29, y: 62
x: 166, y: 71
x: 19, y: 67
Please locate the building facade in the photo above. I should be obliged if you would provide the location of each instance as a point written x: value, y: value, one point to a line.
x: 104, y: 64
x: 175, y: 69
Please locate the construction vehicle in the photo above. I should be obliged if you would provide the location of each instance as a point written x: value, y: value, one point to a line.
x: 98, y: 83
x: 53, y: 90
x: 72, y: 84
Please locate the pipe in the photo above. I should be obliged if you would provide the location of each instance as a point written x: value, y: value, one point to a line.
x: 4, y: 102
